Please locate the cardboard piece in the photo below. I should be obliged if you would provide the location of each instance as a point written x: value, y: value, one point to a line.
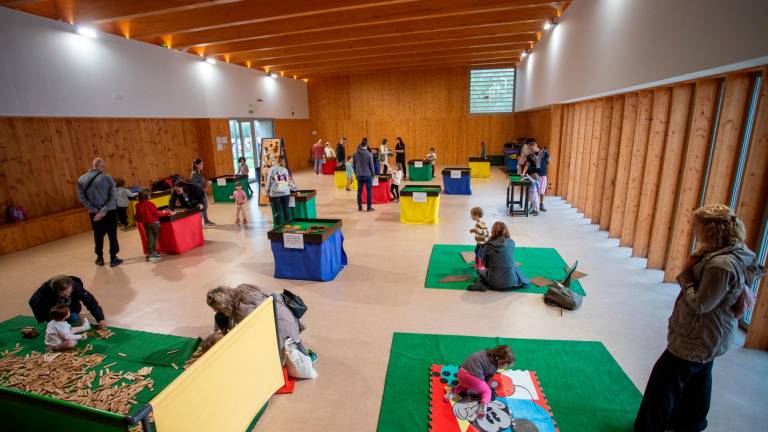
x: 469, y: 257
x: 576, y: 274
x: 540, y: 281
x: 455, y: 278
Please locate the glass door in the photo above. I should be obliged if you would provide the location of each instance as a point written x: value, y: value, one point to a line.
x: 246, y: 142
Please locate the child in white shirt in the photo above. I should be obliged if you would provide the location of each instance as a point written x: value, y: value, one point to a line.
x: 432, y: 158
x: 397, y: 176
x: 59, y: 335
x: 533, y: 192
x: 122, y: 196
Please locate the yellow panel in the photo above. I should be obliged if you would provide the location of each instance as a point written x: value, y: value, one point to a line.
x: 161, y: 201
x: 341, y: 180
x: 480, y: 169
x: 226, y: 387
x: 420, y: 213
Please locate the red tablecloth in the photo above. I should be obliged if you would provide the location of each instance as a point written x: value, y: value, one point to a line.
x: 177, y: 236
x: 381, y: 193
x: 329, y: 166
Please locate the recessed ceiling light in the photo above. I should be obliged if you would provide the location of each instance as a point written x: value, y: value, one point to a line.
x: 209, y: 60
x: 273, y: 75
x: 86, y: 31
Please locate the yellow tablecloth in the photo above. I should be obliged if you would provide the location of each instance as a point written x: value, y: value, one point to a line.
x: 161, y: 201
x: 418, y: 212
x: 480, y: 169
x: 341, y: 180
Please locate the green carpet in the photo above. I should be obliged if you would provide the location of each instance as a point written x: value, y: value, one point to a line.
x: 141, y: 349
x: 446, y: 261
x: 585, y: 387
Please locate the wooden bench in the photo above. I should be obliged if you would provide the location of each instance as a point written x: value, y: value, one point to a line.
x: 36, y: 231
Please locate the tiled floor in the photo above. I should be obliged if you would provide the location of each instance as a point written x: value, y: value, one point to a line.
x: 351, y: 320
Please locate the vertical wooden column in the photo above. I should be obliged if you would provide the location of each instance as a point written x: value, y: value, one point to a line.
x: 609, y: 186
x: 650, y: 178
x: 602, y: 161
x: 705, y: 98
x: 585, y: 154
x: 565, y: 150
x: 591, y: 161
x: 726, y: 152
x: 636, y: 165
x: 629, y: 121
x: 577, y: 148
x: 674, y: 150
x: 555, y: 136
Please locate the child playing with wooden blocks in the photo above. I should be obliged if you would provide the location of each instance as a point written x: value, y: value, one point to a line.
x: 477, y: 370
x: 240, y: 198
x: 59, y: 335
x: 481, y: 234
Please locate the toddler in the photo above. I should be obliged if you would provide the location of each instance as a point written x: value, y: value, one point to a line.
x: 397, y: 176
x: 350, y: 171
x: 147, y: 214
x: 59, y: 335
x: 122, y: 196
x: 477, y: 370
x: 533, y: 192
x: 432, y: 158
x: 481, y: 234
x: 240, y: 198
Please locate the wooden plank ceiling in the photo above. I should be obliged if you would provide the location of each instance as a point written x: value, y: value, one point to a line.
x: 315, y: 38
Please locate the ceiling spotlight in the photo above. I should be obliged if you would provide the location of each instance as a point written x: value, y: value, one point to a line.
x: 273, y: 75
x: 547, y: 25
x: 526, y: 52
x: 551, y: 23
x: 86, y: 31
x: 209, y: 60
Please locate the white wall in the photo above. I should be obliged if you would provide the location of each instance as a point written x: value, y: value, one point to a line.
x: 47, y: 70
x: 608, y: 46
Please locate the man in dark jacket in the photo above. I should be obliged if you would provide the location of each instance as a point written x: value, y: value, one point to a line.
x: 341, y: 151
x: 186, y: 195
x: 65, y: 290
x: 363, y: 166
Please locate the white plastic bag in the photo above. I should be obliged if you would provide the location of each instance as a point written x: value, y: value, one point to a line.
x: 299, y: 365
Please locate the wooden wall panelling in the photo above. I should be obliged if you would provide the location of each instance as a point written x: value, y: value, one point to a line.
x: 726, y: 152
x: 585, y: 153
x: 674, y: 151
x: 636, y: 165
x: 694, y: 166
x: 650, y: 176
x: 594, y: 148
x: 629, y: 121
x: 298, y: 140
x: 573, y: 177
x: 555, y: 140
x: 565, y: 154
x: 602, y: 161
x: 614, y: 144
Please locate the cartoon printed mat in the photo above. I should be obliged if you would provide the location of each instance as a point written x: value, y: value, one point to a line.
x: 517, y: 404
x: 584, y: 386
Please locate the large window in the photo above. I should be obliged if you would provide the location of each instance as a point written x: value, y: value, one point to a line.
x: 491, y: 91
x: 246, y: 142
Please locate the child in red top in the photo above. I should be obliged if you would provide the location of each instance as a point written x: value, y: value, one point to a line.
x: 240, y: 199
x: 147, y: 213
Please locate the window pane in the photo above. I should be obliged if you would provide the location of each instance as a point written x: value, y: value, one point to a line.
x: 491, y: 91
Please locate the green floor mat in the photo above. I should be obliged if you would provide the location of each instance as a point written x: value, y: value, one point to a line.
x: 140, y: 349
x: 446, y: 261
x: 585, y: 387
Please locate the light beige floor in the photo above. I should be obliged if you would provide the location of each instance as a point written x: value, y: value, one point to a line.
x: 351, y: 320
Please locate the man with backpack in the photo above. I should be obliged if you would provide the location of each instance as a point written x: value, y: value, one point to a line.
x: 96, y: 192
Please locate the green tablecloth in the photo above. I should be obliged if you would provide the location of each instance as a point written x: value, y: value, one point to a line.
x: 222, y: 193
x: 304, y: 207
x: 420, y: 174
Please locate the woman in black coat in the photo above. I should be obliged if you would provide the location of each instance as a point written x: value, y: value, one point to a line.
x: 501, y: 272
x: 400, y: 156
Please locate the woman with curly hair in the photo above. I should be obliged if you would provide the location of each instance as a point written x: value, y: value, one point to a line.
x: 714, y: 287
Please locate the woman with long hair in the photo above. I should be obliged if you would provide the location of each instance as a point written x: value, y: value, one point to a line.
x: 198, y: 179
x: 400, y: 156
x: 501, y: 273
x: 714, y: 293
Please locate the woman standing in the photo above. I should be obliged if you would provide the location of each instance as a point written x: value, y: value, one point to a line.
x: 279, y: 189
x: 400, y: 155
x: 712, y: 297
x: 198, y: 179
x: 498, y: 256
x: 384, y: 153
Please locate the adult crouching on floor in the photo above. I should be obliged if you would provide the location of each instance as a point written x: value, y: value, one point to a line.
x: 713, y: 295
x: 233, y: 305
x: 501, y: 273
x: 69, y: 291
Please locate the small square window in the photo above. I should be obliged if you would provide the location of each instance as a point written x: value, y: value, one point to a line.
x: 491, y: 91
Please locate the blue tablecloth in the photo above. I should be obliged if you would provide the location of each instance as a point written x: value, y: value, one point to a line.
x: 317, y: 262
x: 510, y: 159
x: 457, y: 186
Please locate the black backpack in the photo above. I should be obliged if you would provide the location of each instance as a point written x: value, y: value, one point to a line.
x: 562, y: 297
x: 294, y: 303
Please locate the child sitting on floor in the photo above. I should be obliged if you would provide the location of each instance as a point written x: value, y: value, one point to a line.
x: 122, y: 196
x: 59, y: 335
x: 533, y: 192
x: 240, y: 198
x: 477, y: 370
x: 397, y: 176
x: 350, y: 171
x: 481, y: 234
x: 147, y: 214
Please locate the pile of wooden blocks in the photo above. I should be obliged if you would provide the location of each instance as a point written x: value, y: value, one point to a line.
x: 72, y: 376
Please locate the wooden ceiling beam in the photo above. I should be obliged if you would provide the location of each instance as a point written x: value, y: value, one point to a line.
x: 308, y: 70
x: 239, y: 49
x: 355, y: 21
x: 309, y: 56
x: 427, y: 66
x: 401, y: 57
x: 106, y: 11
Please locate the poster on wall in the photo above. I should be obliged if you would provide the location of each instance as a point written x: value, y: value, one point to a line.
x: 271, y: 150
